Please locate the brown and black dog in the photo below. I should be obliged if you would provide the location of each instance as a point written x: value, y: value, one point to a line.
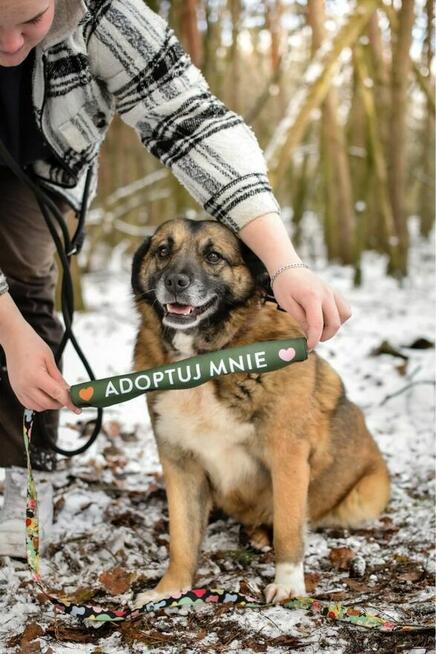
x: 277, y: 449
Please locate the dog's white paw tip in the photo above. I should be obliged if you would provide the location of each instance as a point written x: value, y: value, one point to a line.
x: 276, y: 593
x: 145, y: 598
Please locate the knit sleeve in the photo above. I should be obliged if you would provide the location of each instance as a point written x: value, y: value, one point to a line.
x: 158, y: 91
x: 3, y: 284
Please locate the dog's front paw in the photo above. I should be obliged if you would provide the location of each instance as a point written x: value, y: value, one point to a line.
x: 288, y: 582
x: 157, y: 594
x: 146, y: 597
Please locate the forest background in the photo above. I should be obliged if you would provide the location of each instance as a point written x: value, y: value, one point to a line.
x: 341, y: 98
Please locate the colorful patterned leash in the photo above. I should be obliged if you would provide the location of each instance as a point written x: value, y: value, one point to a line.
x: 258, y: 357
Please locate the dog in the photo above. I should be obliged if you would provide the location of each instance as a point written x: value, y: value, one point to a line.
x: 273, y: 450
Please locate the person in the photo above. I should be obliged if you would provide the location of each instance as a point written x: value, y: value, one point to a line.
x: 65, y: 69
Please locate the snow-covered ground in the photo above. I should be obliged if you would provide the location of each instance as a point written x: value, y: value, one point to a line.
x: 111, y: 510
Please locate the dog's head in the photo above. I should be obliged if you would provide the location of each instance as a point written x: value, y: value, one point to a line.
x: 195, y: 271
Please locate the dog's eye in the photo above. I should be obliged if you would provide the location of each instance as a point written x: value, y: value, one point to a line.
x: 213, y: 257
x: 163, y: 251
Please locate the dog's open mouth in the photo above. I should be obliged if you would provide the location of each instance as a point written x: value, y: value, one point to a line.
x: 187, y: 310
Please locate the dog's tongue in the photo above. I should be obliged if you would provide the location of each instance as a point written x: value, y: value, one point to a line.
x: 183, y: 309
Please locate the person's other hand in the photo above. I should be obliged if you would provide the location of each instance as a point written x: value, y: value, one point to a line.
x: 319, y: 310
x: 33, y: 374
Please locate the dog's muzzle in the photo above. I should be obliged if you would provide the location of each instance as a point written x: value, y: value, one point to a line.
x: 184, y: 301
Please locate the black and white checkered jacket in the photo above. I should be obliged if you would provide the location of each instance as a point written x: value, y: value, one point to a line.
x: 103, y: 57
x: 117, y: 56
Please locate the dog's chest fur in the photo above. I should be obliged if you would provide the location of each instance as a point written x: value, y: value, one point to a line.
x: 196, y: 421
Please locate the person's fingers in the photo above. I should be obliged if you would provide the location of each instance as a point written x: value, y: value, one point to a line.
x: 344, y: 309
x: 296, y: 311
x: 38, y: 400
x: 69, y: 404
x: 59, y: 390
x: 332, y: 321
x: 315, y: 320
x: 53, y: 370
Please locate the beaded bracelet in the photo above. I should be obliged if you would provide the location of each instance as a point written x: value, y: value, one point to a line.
x: 282, y: 268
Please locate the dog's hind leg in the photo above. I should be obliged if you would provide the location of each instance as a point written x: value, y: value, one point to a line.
x: 364, y: 502
x: 189, y: 504
x: 259, y: 537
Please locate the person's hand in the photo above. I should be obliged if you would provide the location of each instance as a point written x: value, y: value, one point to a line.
x: 33, y: 374
x: 319, y: 309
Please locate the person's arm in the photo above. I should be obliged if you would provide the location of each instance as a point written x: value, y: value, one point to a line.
x: 319, y: 309
x: 214, y: 154
x: 32, y: 371
x: 165, y: 98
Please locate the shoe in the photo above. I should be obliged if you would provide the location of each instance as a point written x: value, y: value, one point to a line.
x: 13, y: 513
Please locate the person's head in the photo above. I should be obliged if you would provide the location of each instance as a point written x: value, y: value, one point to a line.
x: 23, y: 24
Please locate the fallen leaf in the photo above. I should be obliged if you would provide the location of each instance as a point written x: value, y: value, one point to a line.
x: 112, y: 428
x: 26, y: 641
x: 413, y: 574
x: 34, y: 647
x: 341, y: 557
x: 356, y: 585
x: 402, y: 368
x: 73, y: 635
x: 116, y: 581
x: 132, y: 634
x: 311, y: 580
x: 82, y: 594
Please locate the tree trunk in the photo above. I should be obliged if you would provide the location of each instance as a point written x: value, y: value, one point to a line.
x: 401, y: 66
x: 337, y: 179
x: 427, y: 194
x: 183, y: 19
x: 191, y: 36
x: 234, y: 61
x: 313, y: 89
x: 379, y: 68
x: 390, y: 236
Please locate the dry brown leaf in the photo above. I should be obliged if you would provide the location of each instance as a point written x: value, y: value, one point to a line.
x: 27, y: 639
x: 82, y: 594
x: 62, y: 633
x: 311, y: 580
x: 341, y: 557
x: 34, y: 647
x: 402, y: 368
x: 116, y: 581
x: 414, y: 574
x: 112, y: 428
x: 356, y: 585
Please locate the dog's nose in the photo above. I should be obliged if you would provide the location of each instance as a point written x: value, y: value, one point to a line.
x: 177, y: 282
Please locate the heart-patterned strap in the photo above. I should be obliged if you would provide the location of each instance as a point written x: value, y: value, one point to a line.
x: 353, y: 615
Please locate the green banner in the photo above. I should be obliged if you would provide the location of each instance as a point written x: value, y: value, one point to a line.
x: 265, y: 356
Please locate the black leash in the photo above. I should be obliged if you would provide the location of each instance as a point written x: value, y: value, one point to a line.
x: 65, y: 250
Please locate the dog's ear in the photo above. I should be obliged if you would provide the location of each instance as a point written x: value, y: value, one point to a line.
x: 136, y: 265
x: 256, y: 267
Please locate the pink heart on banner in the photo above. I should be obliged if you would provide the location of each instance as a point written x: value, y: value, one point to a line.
x: 287, y: 354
